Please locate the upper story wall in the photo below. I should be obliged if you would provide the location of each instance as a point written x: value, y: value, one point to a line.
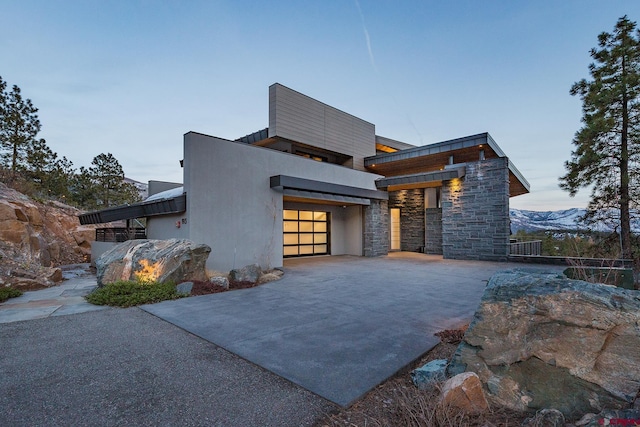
x: 300, y: 118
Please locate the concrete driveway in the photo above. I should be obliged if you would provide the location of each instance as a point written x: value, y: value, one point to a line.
x: 339, y: 326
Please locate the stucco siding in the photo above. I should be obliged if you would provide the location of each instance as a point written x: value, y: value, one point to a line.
x: 230, y: 205
x: 166, y: 226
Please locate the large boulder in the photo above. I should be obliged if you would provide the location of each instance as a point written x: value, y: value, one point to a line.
x: 175, y: 260
x: 38, y: 237
x: 542, y: 340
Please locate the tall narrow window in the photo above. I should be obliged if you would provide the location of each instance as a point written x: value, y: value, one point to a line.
x: 395, y: 229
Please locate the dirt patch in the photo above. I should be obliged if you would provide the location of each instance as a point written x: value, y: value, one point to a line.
x: 398, y: 402
x: 205, y: 287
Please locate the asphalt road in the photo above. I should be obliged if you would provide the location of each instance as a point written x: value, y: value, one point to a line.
x: 125, y: 367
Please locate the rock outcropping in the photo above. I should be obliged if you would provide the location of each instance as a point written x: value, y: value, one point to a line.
x: 36, y: 238
x: 544, y: 341
x: 173, y: 260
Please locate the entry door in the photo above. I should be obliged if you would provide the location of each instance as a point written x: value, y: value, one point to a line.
x: 305, y: 233
x: 395, y: 229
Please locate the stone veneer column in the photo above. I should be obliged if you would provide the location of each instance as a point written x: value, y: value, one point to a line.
x: 433, y: 238
x: 376, y: 228
x: 475, y: 212
x: 411, y: 204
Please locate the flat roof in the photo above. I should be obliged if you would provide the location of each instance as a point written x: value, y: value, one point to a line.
x: 433, y: 157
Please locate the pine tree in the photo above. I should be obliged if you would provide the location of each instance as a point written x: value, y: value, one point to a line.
x: 108, y: 176
x: 607, y: 147
x: 83, y: 190
x: 19, y: 126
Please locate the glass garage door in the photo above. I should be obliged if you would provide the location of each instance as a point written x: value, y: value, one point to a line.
x: 305, y: 233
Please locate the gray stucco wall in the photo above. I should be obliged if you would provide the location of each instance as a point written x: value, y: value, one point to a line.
x: 475, y: 212
x: 376, y: 228
x: 166, y: 227
x: 230, y: 205
x: 433, y: 231
x: 412, y: 226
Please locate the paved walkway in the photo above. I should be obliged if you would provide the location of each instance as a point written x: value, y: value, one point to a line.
x: 339, y: 326
x: 67, y: 298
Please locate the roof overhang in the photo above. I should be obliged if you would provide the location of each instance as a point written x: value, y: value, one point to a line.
x: 137, y: 210
x: 420, y: 180
x: 322, y: 198
x: 434, y: 157
x: 285, y: 182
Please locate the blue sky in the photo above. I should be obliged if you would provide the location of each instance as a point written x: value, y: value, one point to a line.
x: 131, y: 77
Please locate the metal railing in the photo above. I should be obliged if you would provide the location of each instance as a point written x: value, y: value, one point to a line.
x: 533, y: 247
x: 120, y: 234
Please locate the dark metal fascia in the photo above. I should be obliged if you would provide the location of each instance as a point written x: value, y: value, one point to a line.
x: 437, y: 148
x: 137, y: 210
x: 294, y: 183
x: 420, y: 178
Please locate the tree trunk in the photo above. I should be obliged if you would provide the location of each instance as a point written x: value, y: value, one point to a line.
x: 625, y: 221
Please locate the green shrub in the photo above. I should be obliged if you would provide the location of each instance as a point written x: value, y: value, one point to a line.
x: 129, y: 293
x: 6, y: 293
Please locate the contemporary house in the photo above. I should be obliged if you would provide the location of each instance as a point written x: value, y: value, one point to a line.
x: 319, y: 181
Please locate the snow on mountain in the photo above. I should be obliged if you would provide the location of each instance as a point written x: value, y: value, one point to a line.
x: 555, y: 220
x: 143, y: 189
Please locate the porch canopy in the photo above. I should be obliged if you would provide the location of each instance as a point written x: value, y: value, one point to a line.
x: 150, y: 207
x: 429, y: 165
x: 310, y: 191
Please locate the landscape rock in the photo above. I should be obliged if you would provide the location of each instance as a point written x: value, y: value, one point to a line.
x: 54, y: 274
x: 585, y: 419
x: 184, y: 288
x: 612, y: 417
x: 546, y: 418
x: 271, y: 276
x: 544, y: 341
x: 249, y: 273
x: 220, y: 281
x: 173, y: 260
x: 434, y: 371
x: 464, y: 392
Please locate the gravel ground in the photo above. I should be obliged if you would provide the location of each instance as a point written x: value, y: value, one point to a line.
x: 127, y: 367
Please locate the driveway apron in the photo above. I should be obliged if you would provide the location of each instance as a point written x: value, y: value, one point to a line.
x: 339, y: 326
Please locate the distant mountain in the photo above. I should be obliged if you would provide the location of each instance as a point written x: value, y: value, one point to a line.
x: 143, y: 189
x: 555, y: 220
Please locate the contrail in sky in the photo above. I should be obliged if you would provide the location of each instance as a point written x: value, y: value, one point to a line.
x: 375, y: 68
x: 366, y: 36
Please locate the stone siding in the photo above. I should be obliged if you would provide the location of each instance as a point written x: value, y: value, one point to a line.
x: 376, y: 228
x: 433, y: 237
x: 411, y: 204
x: 475, y: 212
